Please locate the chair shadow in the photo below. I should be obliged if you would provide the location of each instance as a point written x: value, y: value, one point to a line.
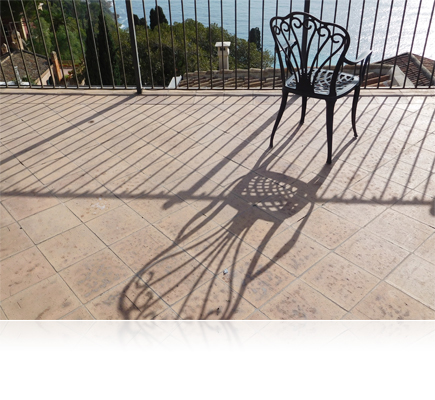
x: 212, y: 248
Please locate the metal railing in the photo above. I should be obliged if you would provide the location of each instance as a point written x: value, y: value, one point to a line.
x: 111, y: 44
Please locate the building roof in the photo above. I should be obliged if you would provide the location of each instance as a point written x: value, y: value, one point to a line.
x: 413, y: 71
x: 29, y: 58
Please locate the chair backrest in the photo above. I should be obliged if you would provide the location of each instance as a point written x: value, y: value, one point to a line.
x: 305, y: 44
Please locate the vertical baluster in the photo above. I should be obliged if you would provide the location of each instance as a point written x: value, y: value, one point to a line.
x: 172, y: 43
x: 120, y: 45
x: 106, y: 32
x: 19, y: 45
x: 262, y: 45
x: 185, y: 48
x: 134, y: 51
x: 95, y: 44
x: 424, y: 48
x: 385, y: 43
x: 249, y: 45
x: 398, y: 42
x: 372, y: 40
x: 55, y: 40
x: 412, y: 43
x: 359, y: 33
x: 160, y: 45
x: 235, y: 45
x: 81, y: 44
x: 69, y: 43
x: 274, y: 52
x: 210, y: 43
x: 222, y: 48
x: 148, y: 43
x: 45, y: 45
x: 197, y: 48
x: 31, y: 42
x: 10, y: 57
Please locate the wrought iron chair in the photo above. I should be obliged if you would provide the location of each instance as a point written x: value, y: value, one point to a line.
x: 306, y: 46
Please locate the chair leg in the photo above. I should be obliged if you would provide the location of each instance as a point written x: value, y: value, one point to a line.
x: 304, y: 109
x: 329, y: 126
x: 278, y: 118
x: 354, y: 105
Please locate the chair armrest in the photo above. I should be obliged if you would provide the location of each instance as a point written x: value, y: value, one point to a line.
x: 363, y: 57
x: 364, y: 60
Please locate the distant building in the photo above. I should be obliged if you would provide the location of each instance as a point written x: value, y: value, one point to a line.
x: 26, y: 73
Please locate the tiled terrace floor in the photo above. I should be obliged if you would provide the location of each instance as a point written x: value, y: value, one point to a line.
x: 169, y: 205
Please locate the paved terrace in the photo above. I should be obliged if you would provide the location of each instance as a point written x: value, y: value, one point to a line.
x: 169, y: 205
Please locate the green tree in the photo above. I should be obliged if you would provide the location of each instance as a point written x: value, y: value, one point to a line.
x: 255, y: 37
x: 155, y: 19
x: 107, y: 55
x: 91, y: 57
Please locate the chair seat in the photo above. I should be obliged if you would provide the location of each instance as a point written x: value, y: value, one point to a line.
x: 345, y: 83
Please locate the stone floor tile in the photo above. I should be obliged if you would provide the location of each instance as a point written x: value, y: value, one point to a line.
x: 427, y: 187
x: 257, y: 279
x: 403, y: 173
x: 34, y: 201
x: 355, y: 315
x: 294, y: 251
x: 185, y: 225
x: 415, y: 277
x: 157, y: 204
x: 116, y: 224
x: 127, y: 301
x: 175, y: 275
x: 420, y: 157
x: 55, y: 170
x: 257, y: 316
x: 355, y: 208
x: 224, y: 172
x: 326, y: 228
x: 2, y: 315
x: 198, y: 156
x: 167, y: 171
x: 339, y: 280
x: 379, y: 189
x: 92, y: 205
x: 54, y: 300
x: 22, y: 271
x: 218, y: 250
x: 214, y: 300
x: 49, y: 223
x: 255, y: 227
x: 418, y: 206
x: 95, y: 274
x: 71, y: 246
x: 129, y: 187
x: 168, y: 315
x: 301, y: 302
x: 13, y: 239
x: 372, y: 253
x: 142, y: 248
x: 426, y: 250
x: 195, y: 187
x: 67, y: 187
x: 79, y: 315
x: 5, y: 218
x: 388, y: 303
x: 399, y: 229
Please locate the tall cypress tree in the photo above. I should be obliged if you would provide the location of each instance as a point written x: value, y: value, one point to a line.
x: 106, y: 47
x: 153, y: 17
x: 91, y: 58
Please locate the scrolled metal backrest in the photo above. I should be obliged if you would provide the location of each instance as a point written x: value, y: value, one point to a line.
x: 300, y: 40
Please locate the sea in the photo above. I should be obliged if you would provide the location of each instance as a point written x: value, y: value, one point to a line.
x: 400, y: 25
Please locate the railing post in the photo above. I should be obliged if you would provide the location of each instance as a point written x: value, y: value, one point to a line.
x: 132, y: 30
